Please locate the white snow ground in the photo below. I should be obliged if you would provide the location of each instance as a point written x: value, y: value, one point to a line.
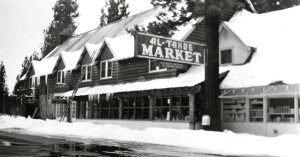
x: 225, y: 143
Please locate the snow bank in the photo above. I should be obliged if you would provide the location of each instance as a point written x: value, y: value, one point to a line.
x: 275, y: 35
x: 225, y: 143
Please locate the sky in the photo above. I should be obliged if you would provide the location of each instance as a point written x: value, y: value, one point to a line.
x: 22, y: 24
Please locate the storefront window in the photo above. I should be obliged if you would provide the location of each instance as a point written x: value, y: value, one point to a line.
x: 96, y: 110
x: 142, y: 108
x: 104, y: 107
x: 281, y: 110
x: 234, y: 110
x: 128, y: 108
x: 161, y: 108
x: 180, y: 108
x: 256, y: 110
x: 114, y: 108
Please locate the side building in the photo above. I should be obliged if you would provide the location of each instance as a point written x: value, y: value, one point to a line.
x: 118, y: 88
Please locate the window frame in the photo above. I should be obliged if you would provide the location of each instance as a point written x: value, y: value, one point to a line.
x: 85, y: 79
x: 222, y: 51
x: 106, y: 69
x: 62, y: 79
x: 158, y: 69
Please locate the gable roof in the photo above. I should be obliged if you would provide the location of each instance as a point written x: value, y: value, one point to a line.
x: 275, y: 35
x: 98, y: 35
x: 44, y: 67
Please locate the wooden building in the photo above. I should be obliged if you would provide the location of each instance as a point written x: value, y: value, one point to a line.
x: 260, y: 94
x: 118, y: 88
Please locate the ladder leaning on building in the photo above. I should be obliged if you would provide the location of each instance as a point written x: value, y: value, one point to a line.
x: 75, y: 91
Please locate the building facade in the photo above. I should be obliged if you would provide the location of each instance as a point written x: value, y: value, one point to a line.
x: 116, y: 87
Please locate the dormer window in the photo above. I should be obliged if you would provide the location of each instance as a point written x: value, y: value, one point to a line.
x: 226, y: 56
x: 154, y: 66
x: 106, y: 69
x: 34, y: 82
x: 61, y: 77
x: 87, y: 72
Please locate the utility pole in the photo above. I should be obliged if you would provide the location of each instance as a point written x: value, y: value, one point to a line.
x: 212, y: 16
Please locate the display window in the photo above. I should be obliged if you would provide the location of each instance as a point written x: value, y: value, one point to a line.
x: 281, y: 110
x: 234, y: 110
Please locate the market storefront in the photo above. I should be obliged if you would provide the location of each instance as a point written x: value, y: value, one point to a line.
x: 265, y: 110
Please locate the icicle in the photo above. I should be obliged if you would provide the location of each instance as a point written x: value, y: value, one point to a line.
x: 90, y: 97
x: 98, y: 98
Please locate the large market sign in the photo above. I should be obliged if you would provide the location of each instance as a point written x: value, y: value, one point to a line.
x: 161, y: 48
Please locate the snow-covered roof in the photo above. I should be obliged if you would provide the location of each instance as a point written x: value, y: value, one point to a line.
x: 93, y: 49
x: 44, y: 67
x: 122, y: 47
x: 276, y: 37
x: 192, y: 77
x: 98, y: 35
x: 70, y: 59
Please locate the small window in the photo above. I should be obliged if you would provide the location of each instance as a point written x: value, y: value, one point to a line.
x: 155, y: 66
x: 30, y: 82
x: 61, y: 77
x: 106, y: 69
x: 226, y: 57
x: 87, y: 72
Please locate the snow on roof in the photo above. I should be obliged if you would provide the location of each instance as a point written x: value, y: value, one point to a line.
x: 185, y: 30
x: 98, y: 35
x: 70, y: 59
x: 192, y: 77
x: 93, y: 49
x: 122, y: 47
x: 44, y: 67
x: 276, y: 37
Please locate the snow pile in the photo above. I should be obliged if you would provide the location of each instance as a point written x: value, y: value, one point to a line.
x: 225, y: 143
x: 275, y: 35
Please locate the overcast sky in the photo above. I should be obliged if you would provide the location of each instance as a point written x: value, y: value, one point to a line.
x: 22, y: 23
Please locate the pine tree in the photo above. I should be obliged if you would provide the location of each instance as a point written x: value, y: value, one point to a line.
x: 25, y: 67
x: 3, y: 87
x: 117, y: 10
x: 65, y: 11
x: 263, y: 6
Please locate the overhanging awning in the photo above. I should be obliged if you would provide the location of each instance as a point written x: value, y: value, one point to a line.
x: 261, y: 91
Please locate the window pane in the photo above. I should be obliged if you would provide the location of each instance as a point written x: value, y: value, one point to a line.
x: 62, y: 77
x: 89, y: 72
x: 225, y: 56
x: 84, y: 70
x: 103, y: 69
x: 152, y: 65
x: 109, y: 70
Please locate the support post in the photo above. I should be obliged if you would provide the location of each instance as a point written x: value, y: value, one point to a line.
x: 296, y: 112
x: 120, y: 108
x: 247, y: 110
x: 265, y: 109
x: 192, y: 111
x: 151, y: 105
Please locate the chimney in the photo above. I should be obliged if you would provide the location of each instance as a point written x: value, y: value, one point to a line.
x: 67, y: 33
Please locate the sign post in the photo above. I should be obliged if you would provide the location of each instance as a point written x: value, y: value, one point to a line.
x: 170, y: 50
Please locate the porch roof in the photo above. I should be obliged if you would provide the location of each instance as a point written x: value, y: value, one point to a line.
x: 192, y: 77
x: 282, y: 90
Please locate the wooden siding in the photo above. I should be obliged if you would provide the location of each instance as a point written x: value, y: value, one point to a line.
x: 61, y: 65
x: 198, y: 34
